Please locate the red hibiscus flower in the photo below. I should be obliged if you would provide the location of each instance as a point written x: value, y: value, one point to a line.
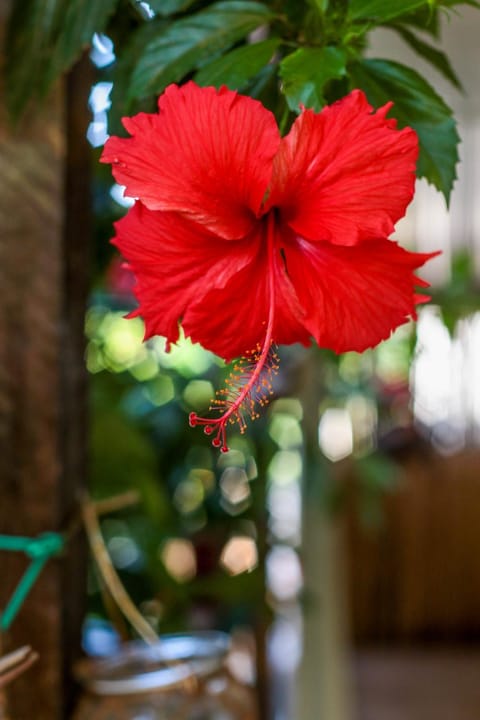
x: 246, y: 238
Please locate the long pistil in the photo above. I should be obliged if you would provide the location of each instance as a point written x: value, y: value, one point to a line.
x: 248, y: 383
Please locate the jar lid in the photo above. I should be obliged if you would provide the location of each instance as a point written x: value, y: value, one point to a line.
x: 139, y: 667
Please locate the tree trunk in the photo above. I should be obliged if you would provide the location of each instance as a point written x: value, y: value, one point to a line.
x: 44, y: 214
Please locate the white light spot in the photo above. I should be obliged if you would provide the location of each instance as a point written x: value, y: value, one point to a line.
x: 285, y: 512
x: 239, y: 555
x: 335, y: 434
x: 284, y: 574
x: 433, y: 374
x: 285, y: 645
x: 235, y: 490
x: 99, y: 99
x: 97, y: 131
x: 178, y: 556
x: 102, y: 52
x: 116, y: 193
x: 146, y: 9
x: 124, y: 551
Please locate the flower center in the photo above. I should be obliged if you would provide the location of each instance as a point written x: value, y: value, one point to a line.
x: 249, y: 385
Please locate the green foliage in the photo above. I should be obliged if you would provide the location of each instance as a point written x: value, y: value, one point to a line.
x: 321, y: 5
x: 169, y: 7
x: 379, y: 11
x: 237, y: 67
x: 308, y: 54
x: 307, y: 72
x: 128, y: 463
x: 80, y: 20
x: 421, y: 13
x: 179, y: 482
x: 426, y: 19
x: 435, y: 57
x: 189, y: 42
x: 416, y: 105
x: 452, y: 3
x: 122, y: 105
x: 461, y: 297
x: 44, y: 39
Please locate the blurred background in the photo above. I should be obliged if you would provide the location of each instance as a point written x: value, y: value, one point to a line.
x: 338, y: 539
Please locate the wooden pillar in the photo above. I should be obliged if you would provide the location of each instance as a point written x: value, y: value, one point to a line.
x: 44, y: 208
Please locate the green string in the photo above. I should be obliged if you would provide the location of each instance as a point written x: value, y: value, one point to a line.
x: 39, y: 549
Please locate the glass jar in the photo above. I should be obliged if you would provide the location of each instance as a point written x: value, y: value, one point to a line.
x: 182, y: 677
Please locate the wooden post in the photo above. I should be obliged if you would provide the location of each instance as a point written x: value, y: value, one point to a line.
x: 324, y: 689
x: 44, y: 210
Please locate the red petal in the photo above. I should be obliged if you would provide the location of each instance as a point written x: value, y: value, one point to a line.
x: 233, y: 319
x: 354, y: 297
x: 207, y: 154
x: 344, y: 174
x: 176, y: 263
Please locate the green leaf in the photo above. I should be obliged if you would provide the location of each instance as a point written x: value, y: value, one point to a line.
x: 239, y: 66
x: 191, y: 41
x: 306, y: 72
x: 320, y: 5
x: 437, y: 58
x: 264, y: 87
x: 382, y: 10
x: 31, y: 27
x: 82, y: 18
x: 452, y: 3
x: 425, y: 19
x: 44, y: 38
x: 123, y: 70
x: 416, y: 105
x: 169, y: 7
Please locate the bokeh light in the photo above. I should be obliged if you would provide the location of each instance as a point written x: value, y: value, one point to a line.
x: 239, y: 555
x: 178, y: 556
